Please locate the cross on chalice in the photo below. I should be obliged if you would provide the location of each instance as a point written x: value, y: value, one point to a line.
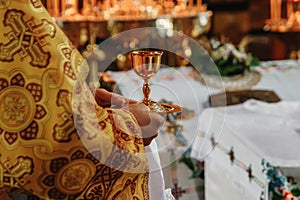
x: 146, y: 64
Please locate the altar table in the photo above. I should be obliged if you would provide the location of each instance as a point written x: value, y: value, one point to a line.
x: 235, y: 140
x: 224, y: 128
x: 249, y: 134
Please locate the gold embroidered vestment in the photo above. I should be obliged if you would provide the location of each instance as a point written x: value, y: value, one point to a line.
x: 43, y: 151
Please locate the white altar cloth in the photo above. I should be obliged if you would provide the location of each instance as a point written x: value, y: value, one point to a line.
x: 271, y: 130
x: 175, y: 84
x: 255, y: 131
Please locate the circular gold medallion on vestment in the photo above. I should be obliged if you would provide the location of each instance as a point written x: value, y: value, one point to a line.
x: 17, y: 108
x: 74, y: 176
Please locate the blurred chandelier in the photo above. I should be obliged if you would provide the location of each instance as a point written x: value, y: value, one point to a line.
x: 284, y: 16
x: 94, y: 10
x: 97, y: 20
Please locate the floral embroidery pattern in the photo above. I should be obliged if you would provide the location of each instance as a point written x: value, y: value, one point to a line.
x: 14, y: 109
x: 20, y: 109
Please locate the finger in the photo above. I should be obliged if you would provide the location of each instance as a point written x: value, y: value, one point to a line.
x: 106, y: 98
x: 150, y: 129
x: 157, y: 119
x: 150, y: 122
x: 131, y: 101
x: 118, y: 100
x: 103, y: 97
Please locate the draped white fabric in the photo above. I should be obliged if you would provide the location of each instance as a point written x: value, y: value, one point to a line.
x: 255, y: 129
x: 157, y: 189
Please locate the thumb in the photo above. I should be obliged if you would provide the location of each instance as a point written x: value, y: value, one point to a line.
x: 106, y: 98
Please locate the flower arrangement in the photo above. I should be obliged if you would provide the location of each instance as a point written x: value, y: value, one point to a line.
x: 280, y: 187
x: 231, y: 60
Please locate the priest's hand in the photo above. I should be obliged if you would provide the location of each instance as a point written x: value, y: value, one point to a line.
x: 149, y: 122
x: 105, y: 98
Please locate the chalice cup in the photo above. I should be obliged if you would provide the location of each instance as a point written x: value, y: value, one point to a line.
x: 146, y: 64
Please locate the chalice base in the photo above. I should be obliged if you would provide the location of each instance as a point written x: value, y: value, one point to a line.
x: 165, y: 108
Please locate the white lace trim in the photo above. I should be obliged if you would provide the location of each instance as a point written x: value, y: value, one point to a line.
x: 168, y: 194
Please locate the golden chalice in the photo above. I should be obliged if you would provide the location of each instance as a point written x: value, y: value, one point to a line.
x: 146, y: 63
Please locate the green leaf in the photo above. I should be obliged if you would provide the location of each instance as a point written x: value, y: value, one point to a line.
x: 188, y: 162
x: 295, y: 192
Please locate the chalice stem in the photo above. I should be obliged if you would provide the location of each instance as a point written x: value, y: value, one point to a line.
x: 146, y: 91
